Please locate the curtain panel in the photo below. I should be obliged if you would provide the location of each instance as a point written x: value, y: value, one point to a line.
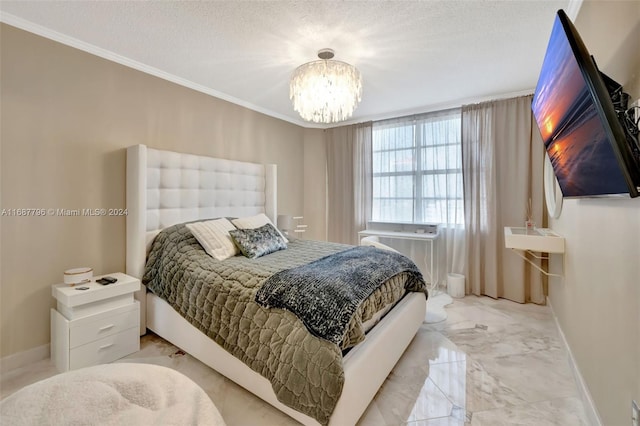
x: 419, y: 156
x: 349, y: 177
x: 502, y: 161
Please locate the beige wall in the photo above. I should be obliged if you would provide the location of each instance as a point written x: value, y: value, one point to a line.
x: 315, y: 184
x: 598, y: 301
x: 67, y: 117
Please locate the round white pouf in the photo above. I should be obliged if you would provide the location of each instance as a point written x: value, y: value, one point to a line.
x: 112, y: 394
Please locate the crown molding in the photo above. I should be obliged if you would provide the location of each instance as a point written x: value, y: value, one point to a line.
x: 31, y: 27
x: 23, y: 24
x: 438, y: 107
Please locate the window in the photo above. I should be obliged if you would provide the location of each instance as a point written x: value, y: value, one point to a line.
x: 417, y: 169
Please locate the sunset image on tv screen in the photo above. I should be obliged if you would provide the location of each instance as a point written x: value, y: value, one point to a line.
x: 572, y: 130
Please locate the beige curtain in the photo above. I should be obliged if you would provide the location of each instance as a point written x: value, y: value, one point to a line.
x: 349, y: 180
x: 502, y: 160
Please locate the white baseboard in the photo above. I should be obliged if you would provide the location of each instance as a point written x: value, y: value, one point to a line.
x: 22, y: 359
x: 583, y: 390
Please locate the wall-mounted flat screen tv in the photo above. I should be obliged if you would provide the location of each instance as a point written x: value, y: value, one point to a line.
x: 586, y: 143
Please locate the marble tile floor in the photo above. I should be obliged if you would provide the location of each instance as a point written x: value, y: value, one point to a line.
x: 492, y: 362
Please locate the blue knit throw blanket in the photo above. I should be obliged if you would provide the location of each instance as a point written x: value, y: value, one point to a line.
x: 326, y: 293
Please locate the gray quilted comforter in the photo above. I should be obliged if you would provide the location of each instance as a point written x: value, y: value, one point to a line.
x: 218, y: 297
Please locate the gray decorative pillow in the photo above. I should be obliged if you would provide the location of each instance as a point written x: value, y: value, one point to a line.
x: 257, y: 242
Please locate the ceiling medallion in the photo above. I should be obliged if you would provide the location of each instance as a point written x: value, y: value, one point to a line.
x: 325, y: 91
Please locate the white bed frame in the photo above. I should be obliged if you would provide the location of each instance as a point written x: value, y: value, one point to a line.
x: 165, y: 188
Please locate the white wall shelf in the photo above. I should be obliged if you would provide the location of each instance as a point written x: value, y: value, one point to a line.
x: 537, y: 239
x: 527, y: 243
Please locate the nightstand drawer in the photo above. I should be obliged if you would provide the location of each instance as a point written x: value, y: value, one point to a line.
x: 106, y: 349
x: 96, y: 327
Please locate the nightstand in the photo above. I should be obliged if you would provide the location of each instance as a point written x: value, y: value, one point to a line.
x: 94, y: 326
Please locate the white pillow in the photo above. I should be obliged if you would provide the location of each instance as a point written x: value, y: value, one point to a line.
x: 256, y: 221
x: 213, y: 236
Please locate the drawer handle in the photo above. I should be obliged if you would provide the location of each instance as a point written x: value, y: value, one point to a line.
x: 105, y: 346
x: 106, y: 327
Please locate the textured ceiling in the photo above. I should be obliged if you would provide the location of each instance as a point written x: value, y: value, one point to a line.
x: 414, y: 55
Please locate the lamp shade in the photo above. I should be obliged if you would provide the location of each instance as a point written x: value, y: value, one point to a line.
x: 325, y: 91
x: 285, y: 222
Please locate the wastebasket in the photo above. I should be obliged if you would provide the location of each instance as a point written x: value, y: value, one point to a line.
x: 455, y: 285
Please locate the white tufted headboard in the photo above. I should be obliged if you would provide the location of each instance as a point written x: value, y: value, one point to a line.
x: 165, y: 188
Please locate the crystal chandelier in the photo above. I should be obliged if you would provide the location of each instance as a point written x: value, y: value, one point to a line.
x: 325, y: 91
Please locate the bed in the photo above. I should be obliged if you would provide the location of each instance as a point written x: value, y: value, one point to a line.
x: 167, y: 188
